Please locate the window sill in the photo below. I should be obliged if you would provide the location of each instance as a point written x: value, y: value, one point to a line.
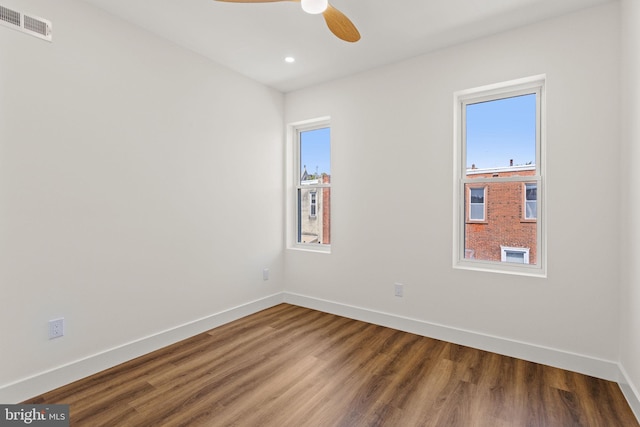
x: 501, y: 268
x: 321, y: 249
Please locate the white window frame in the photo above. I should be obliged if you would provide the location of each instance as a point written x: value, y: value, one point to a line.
x: 528, y: 85
x: 294, y: 184
x: 484, y: 204
x: 505, y: 249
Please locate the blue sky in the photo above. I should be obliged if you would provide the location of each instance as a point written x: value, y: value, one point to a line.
x: 315, y: 151
x: 497, y: 131
x: 501, y: 130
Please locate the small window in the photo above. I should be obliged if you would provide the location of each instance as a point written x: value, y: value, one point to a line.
x: 514, y: 255
x: 310, y: 202
x: 476, y: 204
x: 313, y: 203
x: 530, y: 201
x: 498, y: 174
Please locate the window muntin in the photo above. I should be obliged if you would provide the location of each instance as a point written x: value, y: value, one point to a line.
x: 499, y: 145
x: 312, y: 185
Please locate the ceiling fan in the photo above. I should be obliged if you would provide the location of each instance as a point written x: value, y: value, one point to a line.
x: 337, y: 22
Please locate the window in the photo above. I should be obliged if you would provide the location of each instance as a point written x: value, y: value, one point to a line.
x: 311, y: 193
x: 514, y: 255
x: 530, y: 201
x: 498, y: 177
x: 313, y: 203
x: 476, y: 204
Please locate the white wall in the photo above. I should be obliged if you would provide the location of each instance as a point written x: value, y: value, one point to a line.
x: 140, y: 189
x: 630, y: 223
x: 392, y: 191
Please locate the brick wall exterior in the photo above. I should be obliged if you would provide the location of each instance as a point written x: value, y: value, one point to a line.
x: 504, y: 223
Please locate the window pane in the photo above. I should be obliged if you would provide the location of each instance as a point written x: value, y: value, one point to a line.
x: 517, y: 257
x: 477, y: 195
x: 502, y: 225
x: 531, y: 212
x: 315, y: 154
x: 313, y: 193
x: 501, y: 133
x: 477, y: 211
x: 532, y: 192
x: 314, y: 215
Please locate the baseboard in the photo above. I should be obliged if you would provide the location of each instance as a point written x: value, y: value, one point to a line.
x: 54, y: 378
x: 45, y: 381
x: 595, y: 367
x: 630, y: 392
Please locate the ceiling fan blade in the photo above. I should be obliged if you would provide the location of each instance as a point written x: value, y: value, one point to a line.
x: 340, y: 25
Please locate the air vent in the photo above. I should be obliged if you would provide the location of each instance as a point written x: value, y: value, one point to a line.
x: 9, y: 16
x: 33, y: 25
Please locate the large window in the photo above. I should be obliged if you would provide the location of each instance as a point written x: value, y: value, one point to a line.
x: 499, y: 177
x: 312, y: 184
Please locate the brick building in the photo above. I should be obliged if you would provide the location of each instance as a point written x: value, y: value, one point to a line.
x: 500, y: 217
x: 315, y: 210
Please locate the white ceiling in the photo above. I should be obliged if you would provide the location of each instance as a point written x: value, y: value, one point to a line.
x: 254, y: 39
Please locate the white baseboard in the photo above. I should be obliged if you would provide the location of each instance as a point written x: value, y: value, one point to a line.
x: 595, y: 367
x: 630, y: 392
x: 54, y: 378
x: 45, y: 381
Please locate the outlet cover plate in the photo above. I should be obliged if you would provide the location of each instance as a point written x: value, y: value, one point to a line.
x: 398, y: 289
x: 56, y: 328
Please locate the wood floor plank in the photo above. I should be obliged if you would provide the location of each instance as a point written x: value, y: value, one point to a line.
x: 292, y: 366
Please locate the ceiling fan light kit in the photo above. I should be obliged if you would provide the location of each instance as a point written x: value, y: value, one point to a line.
x: 314, y: 7
x: 338, y: 23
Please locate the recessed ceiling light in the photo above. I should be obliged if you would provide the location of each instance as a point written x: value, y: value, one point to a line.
x: 290, y: 59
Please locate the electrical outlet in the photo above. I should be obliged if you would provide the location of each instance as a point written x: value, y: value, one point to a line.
x: 398, y: 289
x: 265, y: 274
x: 56, y: 328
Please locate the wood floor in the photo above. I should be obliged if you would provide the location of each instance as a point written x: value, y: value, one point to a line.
x: 291, y: 366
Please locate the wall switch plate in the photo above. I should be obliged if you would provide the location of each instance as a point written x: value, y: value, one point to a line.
x: 56, y: 328
x: 398, y: 289
x: 265, y: 274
